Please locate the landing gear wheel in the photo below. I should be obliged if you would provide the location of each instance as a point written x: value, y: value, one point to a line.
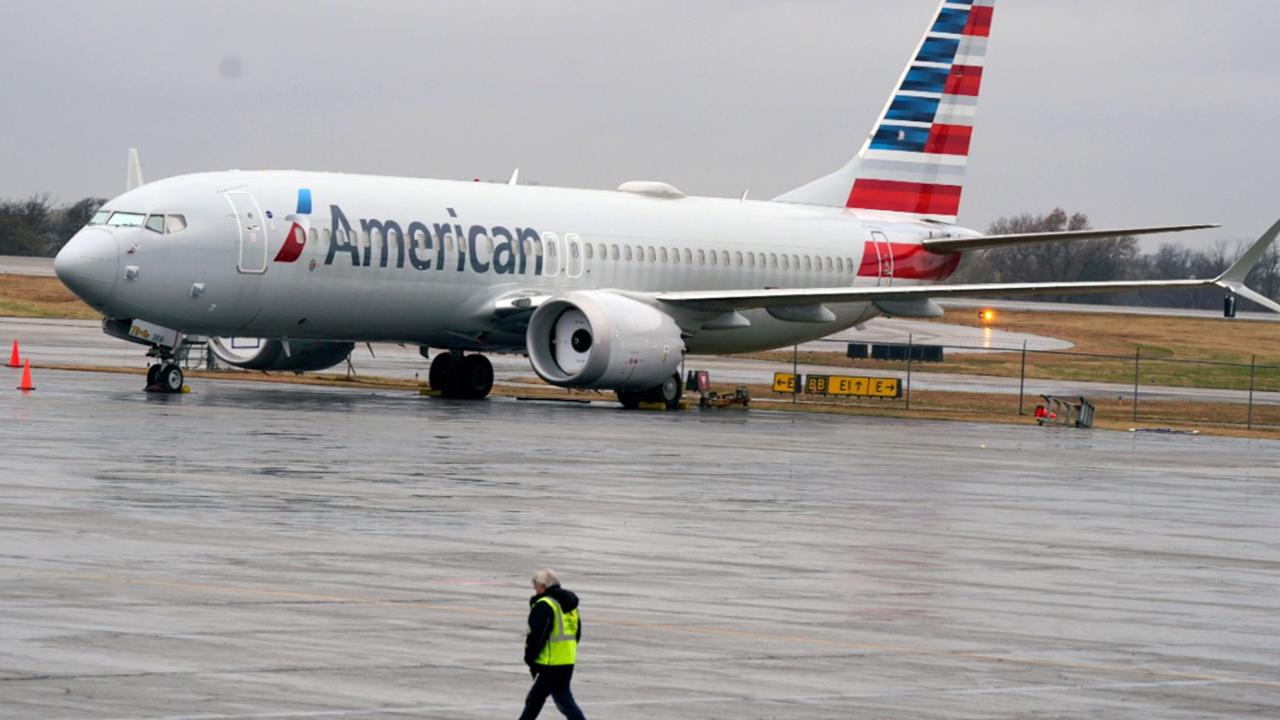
x: 668, y: 393
x: 440, y: 376
x: 171, y: 378
x: 474, y: 378
x: 153, y: 375
x: 630, y: 399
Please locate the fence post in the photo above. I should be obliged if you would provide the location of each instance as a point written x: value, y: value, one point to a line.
x: 1022, y: 376
x: 1137, y: 361
x: 909, y: 354
x: 795, y: 374
x: 1253, y: 367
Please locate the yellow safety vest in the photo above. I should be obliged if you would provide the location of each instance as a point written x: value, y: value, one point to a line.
x: 562, y: 646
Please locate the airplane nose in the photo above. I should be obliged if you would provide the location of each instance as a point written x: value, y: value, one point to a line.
x: 89, y: 264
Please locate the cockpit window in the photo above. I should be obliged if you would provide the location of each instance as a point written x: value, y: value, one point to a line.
x: 99, y: 217
x: 155, y: 223
x: 174, y: 223
x: 126, y: 219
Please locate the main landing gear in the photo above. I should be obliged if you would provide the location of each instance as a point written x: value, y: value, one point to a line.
x: 455, y: 375
x: 668, y: 393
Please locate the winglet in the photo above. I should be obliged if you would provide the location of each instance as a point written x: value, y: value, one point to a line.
x: 1233, y: 279
x: 133, y: 172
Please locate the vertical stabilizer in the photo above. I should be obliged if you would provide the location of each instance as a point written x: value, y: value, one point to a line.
x: 914, y: 159
x: 133, y: 173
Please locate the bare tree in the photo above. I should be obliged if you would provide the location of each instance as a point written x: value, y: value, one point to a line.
x: 1068, y: 261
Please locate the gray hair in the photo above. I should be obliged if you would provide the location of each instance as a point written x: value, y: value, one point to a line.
x: 546, y: 578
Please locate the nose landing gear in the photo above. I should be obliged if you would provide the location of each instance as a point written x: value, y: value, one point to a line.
x: 455, y: 375
x: 166, y: 378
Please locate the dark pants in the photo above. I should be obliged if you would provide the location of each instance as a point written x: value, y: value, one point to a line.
x: 554, y: 681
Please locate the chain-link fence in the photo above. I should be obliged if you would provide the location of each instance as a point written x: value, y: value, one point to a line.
x: 1150, y: 386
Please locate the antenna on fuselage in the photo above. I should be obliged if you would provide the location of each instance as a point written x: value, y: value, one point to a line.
x: 133, y: 172
x: 515, y: 177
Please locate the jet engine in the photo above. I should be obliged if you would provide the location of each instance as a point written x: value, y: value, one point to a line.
x: 603, y: 340
x: 268, y: 354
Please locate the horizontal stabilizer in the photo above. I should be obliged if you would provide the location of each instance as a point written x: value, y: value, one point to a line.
x: 963, y: 244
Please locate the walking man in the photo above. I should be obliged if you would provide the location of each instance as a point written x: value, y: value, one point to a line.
x: 551, y: 648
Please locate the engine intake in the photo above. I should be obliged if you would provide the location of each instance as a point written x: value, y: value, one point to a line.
x: 603, y: 340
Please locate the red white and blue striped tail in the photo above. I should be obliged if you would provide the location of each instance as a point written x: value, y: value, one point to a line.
x: 912, y: 164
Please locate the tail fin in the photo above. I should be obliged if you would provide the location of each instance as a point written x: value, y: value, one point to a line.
x: 913, y: 162
x: 133, y: 171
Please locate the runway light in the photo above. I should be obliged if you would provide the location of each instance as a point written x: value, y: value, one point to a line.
x: 987, y: 315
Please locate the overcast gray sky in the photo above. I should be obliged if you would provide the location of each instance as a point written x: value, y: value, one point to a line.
x: 1136, y: 112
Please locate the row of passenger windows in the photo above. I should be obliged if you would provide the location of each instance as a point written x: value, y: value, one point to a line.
x: 163, y: 224
x: 630, y: 253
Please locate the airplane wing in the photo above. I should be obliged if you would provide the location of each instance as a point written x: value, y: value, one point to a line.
x: 727, y: 300
x: 956, y: 244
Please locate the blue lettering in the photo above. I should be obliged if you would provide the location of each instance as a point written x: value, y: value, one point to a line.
x: 504, y: 257
x: 416, y: 227
x: 340, y: 228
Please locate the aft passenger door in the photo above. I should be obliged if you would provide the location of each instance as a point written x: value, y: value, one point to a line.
x: 252, y: 232
x: 884, y: 258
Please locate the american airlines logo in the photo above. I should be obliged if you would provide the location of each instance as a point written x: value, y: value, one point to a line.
x: 423, y: 246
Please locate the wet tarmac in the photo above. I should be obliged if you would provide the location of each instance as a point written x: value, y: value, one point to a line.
x: 251, y: 551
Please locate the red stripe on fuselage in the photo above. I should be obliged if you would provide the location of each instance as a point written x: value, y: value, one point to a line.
x: 911, y: 261
x: 894, y: 196
x: 293, y: 245
x: 979, y: 21
x: 964, y: 80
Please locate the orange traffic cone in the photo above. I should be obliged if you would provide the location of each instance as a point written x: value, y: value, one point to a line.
x: 26, y: 377
x: 13, y: 357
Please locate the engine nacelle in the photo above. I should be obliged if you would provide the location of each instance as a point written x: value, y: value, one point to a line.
x: 268, y: 354
x: 602, y: 340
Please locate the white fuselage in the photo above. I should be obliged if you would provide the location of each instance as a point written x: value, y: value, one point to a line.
x: 423, y: 261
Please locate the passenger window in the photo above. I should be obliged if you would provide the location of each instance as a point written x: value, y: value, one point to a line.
x: 613, y: 250
x: 795, y: 261
x: 808, y: 263
x: 702, y: 257
x: 751, y: 260
x: 688, y: 257
x: 590, y: 252
x: 839, y: 264
x: 737, y: 259
x: 724, y: 257
x: 653, y: 256
x: 174, y: 223
x: 99, y: 217
x: 786, y: 265
x: 155, y: 223
x: 773, y: 260
x: 827, y: 263
x: 639, y: 253
x: 628, y: 251
x: 714, y: 258
x: 313, y: 235
x: 663, y: 255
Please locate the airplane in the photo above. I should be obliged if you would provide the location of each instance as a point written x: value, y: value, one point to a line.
x: 600, y: 289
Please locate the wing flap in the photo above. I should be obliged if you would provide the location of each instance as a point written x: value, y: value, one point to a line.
x: 726, y: 300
